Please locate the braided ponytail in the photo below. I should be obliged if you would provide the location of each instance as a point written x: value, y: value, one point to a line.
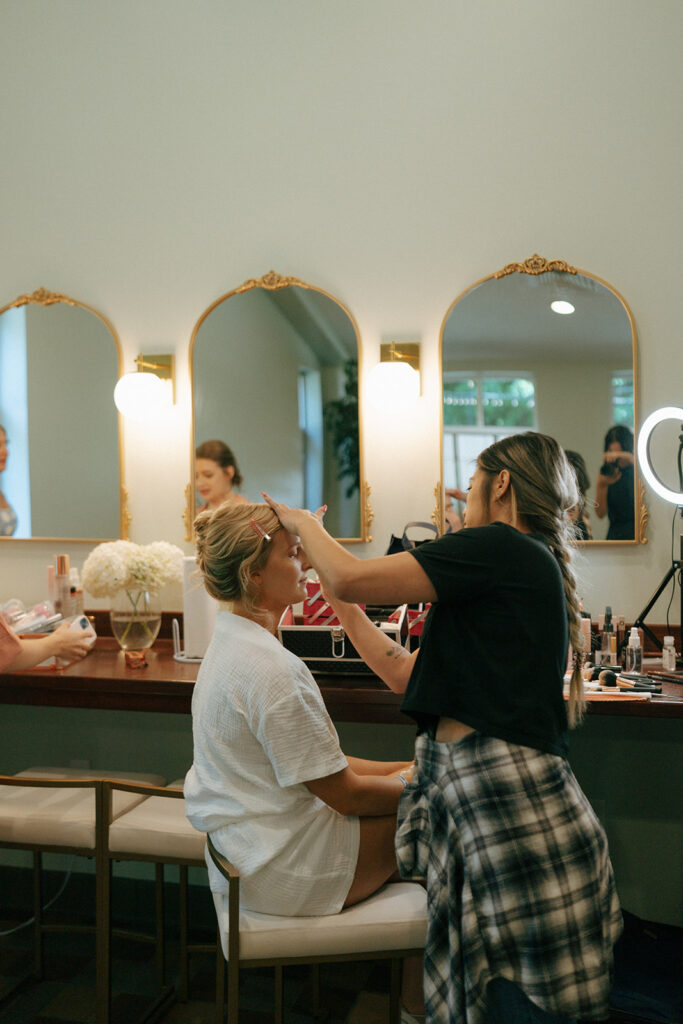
x: 544, y: 489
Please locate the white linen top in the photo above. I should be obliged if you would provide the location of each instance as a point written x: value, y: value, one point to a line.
x: 260, y: 731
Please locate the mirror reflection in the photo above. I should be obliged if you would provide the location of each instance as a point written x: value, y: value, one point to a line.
x: 59, y: 363
x: 274, y: 367
x: 542, y: 346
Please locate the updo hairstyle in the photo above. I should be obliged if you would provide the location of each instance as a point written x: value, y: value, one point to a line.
x: 229, y: 550
x: 544, y: 489
x: 218, y: 451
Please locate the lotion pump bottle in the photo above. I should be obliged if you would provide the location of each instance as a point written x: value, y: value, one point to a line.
x: 634, y: 652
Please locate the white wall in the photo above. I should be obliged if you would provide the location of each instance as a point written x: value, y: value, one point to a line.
x: 157, y: 154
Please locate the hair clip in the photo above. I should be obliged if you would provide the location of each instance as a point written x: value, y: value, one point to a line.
x: 257, y: 528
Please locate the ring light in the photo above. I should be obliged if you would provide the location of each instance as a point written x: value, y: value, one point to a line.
x: 670, y: 412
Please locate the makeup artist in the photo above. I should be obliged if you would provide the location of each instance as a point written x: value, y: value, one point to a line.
x: 523, y: 908
x: 16, y: 654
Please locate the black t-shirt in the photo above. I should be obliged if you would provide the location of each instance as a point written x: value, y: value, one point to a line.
x: 494, y: 648
x: 621, y: 508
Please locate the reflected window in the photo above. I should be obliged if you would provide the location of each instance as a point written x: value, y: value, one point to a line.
x: 479, y: 409
x: 622, y: 398
x: 311, y: 427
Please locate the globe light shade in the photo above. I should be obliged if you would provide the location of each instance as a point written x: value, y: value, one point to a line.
x: 140, y: 396
x: 393, y: 386
x: 670, y: 412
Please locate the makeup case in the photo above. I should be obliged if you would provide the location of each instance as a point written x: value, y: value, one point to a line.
x: 323, y: 644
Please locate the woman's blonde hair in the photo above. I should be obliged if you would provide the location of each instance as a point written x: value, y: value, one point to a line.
x: 229, y: 550
x: 543, y: 490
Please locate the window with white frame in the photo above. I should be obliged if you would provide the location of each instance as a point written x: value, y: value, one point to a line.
x: 478, y: 409
x: 622, y: 398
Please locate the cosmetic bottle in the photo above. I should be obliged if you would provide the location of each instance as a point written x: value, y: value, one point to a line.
x: 621, y: 640
x: 669, y: 655
x: 608, y: 640
x: 51, y: 584
x: 62, y: 586
x: 634, y: 652
x: 76, y: 592
x: 585, y: 626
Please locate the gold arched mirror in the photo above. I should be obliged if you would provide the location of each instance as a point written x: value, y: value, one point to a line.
x: 512, y: 360
x: 274, y: 371
x: 59, y: 363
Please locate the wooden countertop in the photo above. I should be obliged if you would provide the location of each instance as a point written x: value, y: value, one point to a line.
x: 103, y: 680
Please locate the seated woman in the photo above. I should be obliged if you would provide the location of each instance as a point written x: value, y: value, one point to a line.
x: 310, y: 830
x: 216, y: 474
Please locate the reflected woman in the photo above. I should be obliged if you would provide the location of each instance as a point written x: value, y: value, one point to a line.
x: 216, y: 475
x: 579, y: 514
x: 614, y: 488
x: 8, y: 518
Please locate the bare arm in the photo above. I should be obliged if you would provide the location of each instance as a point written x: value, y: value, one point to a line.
x: 363, y: 767
x: 62, y: 644
x: 389, y: 579
x: 387, y: 659
x: 348, y: 792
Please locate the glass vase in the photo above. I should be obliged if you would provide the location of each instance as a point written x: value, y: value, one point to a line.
x: 135, y: 618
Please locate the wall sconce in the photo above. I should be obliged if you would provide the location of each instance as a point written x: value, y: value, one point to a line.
x: 394, y: 384
x: 144, y: 395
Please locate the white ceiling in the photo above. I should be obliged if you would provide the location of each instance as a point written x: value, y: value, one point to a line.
x: 510, y: 317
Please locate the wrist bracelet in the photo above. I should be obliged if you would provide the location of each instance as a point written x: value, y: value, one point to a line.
x: 403, y: 779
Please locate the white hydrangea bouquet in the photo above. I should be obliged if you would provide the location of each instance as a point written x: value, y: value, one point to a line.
x: 122, y: 565
x: 131, y: 575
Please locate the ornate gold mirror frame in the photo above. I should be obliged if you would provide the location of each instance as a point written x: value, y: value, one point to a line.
x: 533, y: 269
x: 73, y: 432
x: 224, y: 363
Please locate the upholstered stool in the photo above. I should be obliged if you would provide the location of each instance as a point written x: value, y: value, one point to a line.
x: 391, y: 924
x: 158, y: 832
x: 59, y: 810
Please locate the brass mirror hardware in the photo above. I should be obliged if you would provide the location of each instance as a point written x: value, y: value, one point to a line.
x: 72, y: 487
x: 502, y: 327
x: 251, y: 360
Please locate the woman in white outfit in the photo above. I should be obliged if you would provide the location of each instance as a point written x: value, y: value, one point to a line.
x: 310, y: 830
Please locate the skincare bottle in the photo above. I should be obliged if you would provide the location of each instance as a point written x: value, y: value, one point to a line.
x: 62, y: 586
x: 634, y: 652
x: 607, y: 646
x: 621, y: 640
x: 669, y: 655
x: 76, y: 592
x: 51, y: 584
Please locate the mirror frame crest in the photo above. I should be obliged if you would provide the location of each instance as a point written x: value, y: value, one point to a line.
x: 535, y: 265
x: 43, y: 297
x: 272, y: 281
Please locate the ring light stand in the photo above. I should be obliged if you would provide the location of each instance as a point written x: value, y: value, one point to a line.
x: 675, y: 497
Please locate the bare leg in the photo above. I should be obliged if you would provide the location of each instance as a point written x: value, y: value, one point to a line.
x: 377, y: 865
x: 376, y: 858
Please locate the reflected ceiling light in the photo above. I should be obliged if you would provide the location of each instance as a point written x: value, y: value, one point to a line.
x: 144, y: 395
x: 669, y: 412
x: 394, y: 384
x: 562, y: 307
